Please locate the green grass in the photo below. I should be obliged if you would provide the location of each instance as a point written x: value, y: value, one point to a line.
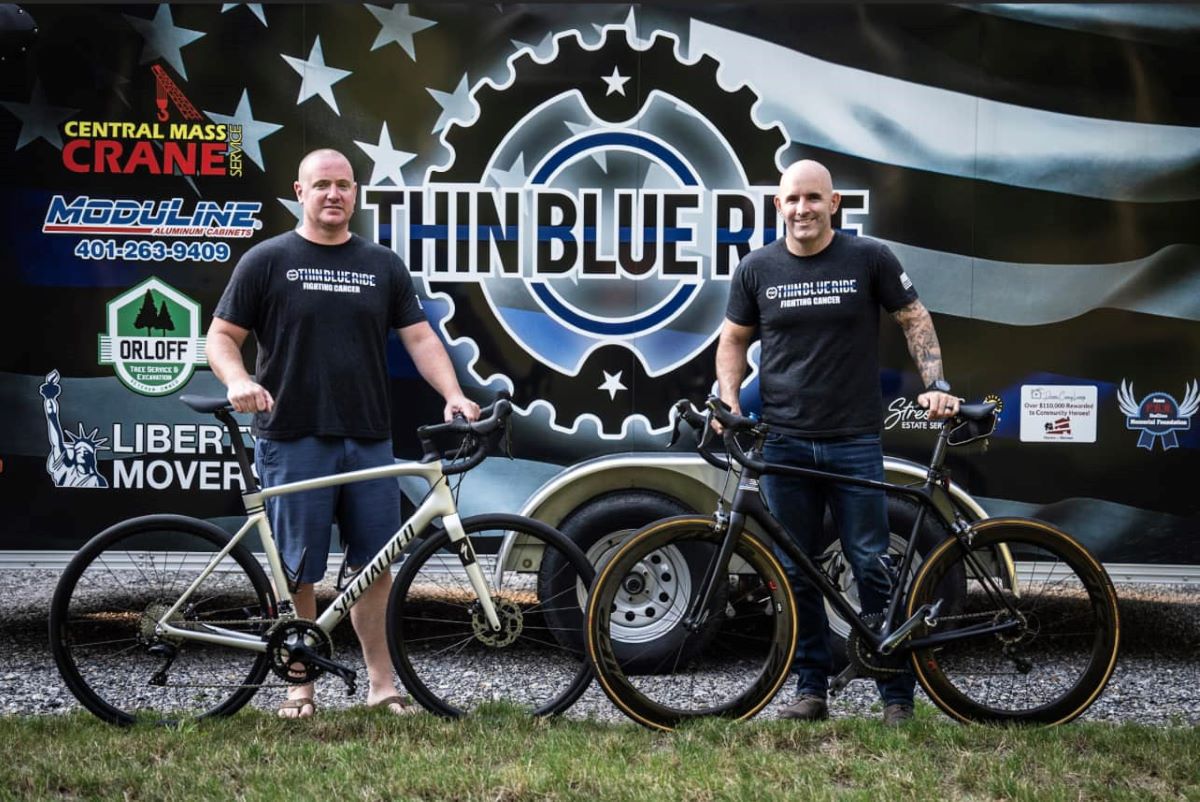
x: 503, y: 755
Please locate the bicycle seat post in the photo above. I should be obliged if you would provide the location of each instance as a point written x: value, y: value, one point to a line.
x: 239, y: 450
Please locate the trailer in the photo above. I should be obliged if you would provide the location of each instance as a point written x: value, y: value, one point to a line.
x: 572, y: 187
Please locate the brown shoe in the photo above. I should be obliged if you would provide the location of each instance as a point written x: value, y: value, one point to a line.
x: 897, y: 715
x: 806, y: 708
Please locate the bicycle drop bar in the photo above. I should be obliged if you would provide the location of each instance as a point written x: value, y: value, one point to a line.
x: 492, y: 419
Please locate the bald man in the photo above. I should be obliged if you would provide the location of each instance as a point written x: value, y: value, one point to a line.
x: 813, y: 300
x: 320, y: 302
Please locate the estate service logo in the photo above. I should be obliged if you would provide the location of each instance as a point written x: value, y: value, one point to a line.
x: 153, y: 338
x: 583, y: 231
x: 1158, y: 415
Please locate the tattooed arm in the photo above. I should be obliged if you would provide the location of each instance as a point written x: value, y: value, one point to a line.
x: 923, y: 346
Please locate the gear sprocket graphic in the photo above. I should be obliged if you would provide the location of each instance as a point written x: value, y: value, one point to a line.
x: 573, y: 389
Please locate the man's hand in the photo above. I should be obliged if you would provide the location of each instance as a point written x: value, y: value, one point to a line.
x: 461, y: 404
x: 940, y: 405
x: 249, y: 396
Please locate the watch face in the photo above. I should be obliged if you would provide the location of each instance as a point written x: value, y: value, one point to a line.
x: 941, y: 385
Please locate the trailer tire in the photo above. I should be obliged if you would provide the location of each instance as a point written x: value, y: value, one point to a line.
x: 599, y: 527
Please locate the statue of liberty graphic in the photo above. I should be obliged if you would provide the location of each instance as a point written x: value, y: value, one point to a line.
x: 72, y: 458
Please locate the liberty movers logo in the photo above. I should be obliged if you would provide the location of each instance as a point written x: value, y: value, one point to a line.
x: 153, y: 338
x: 584, y: 231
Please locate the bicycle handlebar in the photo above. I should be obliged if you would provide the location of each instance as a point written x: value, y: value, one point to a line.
x: 977, y: 419
x: 493, y: 419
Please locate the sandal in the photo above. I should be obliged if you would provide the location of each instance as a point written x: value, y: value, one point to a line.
x: 298, y: 704
x: 405, y: 704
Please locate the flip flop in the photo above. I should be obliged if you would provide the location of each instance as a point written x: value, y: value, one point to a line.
x: 298, y: 704
x: 405, y: 704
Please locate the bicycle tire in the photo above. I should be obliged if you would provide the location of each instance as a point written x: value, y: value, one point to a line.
x: 1063, y: 648
x: 116, y: 587
x: 738, y: 671
x: 441, y: 645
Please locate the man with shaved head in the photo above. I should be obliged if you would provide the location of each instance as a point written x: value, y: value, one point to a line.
x: 813, y: 300
x: 320, y: 301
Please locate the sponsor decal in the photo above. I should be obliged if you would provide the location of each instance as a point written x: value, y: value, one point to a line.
x: 171, y: 217
x: 153, y: 338
x: 581, y: 231
x: 189, y: 146
x: 1058, y: 413
x: 146, y: 456
x: 905, y: 413
x: 1158, y: 415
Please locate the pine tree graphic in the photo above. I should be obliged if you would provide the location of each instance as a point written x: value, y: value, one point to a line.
x: 147, y: 318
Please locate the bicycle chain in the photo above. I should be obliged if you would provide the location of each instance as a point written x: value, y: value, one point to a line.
x: 240, y: 621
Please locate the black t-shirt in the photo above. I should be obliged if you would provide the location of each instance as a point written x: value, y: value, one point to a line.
x: 321, y: 315
x: 818, y: 320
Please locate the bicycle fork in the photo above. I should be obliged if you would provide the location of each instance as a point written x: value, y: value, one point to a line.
x: 466, y: 555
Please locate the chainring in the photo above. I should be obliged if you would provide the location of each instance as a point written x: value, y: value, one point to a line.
x: 296, y: 670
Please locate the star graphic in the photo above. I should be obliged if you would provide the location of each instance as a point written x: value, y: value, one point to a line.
x: 612, y: 383
x: 514, y: 176
x: 317, y: 79
x: 542, y: 50
x: 397, y: 25
x: 253, y: 131
x: 39, y: 120
x: 163, y: 38
x: 599, y: 156
x: 455, y: 106
x: 616, y: 82
x: 255, y: 8
x: 293, y: 206
x: 386, y: 160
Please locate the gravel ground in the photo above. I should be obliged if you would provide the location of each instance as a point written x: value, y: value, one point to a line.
x: 1157, y: 680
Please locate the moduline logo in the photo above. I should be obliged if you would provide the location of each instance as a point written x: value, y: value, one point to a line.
x: 162, y: 218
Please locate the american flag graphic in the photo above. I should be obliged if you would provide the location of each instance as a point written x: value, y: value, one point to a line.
x: 1036, y: 168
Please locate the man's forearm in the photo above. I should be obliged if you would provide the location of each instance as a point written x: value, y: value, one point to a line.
x: 225, y: 359
x: 731, y: 367
x: 922, y: 341
x: 434, y: 365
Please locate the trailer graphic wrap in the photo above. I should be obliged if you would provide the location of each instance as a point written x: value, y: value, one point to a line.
x: 572, y: 187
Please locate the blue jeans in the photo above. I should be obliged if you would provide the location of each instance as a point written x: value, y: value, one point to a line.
x: 860, y: 514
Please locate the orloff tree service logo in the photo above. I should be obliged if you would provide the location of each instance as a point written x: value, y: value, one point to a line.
x: 586, y: 226
x: 153, y: 338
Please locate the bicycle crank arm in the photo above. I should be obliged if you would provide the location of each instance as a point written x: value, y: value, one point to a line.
x: 925, y: 614
x: 348, y: 675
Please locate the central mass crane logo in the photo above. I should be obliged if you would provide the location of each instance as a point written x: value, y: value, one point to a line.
x: 585, y: 229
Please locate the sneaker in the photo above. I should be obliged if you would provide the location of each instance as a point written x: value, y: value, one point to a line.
x: 806, y: 707
x: 897, y: 715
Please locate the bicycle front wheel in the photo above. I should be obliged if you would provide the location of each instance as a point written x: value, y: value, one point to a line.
x: 1044, y: 617
x: 113, y: 593
x: 442, y: 644
x: 731, y: 672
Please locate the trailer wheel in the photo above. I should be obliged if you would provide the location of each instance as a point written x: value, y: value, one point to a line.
x: 649, y: 610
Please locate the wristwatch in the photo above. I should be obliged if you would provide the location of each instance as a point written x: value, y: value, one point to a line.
x: 938, y: 385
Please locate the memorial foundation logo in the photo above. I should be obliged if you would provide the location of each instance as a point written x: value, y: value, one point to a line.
x: 1158, y: 415
x: 584, y: 229
x: 153, y: 338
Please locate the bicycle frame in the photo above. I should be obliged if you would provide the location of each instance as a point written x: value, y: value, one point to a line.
x: 747, y: 503
x: 439, y: 502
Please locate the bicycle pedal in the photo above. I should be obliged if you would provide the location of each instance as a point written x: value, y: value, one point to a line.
x: 840, y: 682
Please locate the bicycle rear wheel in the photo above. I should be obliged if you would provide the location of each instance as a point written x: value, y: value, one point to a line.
x: 442, y: 645
x: 733, y: 672
x: 115, y: 589
x: 1061, y: 612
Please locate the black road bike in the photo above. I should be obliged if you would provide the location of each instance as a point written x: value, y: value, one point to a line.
x: 1005, y: 620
